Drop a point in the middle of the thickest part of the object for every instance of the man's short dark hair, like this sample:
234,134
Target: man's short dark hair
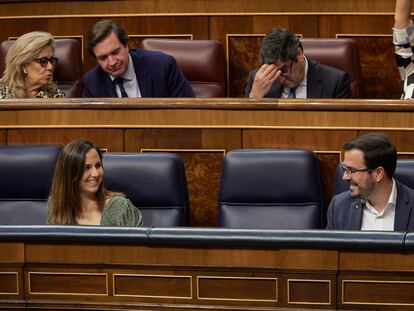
279,44
378,151
101,30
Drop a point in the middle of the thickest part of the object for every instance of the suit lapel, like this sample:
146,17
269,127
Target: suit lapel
109,87
355,215
275,91
314,80
402,209
143,75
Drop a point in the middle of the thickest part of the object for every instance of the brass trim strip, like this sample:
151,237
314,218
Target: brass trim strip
186,35
153,275
372,303
182,14
235,299
309,281
238,127
67,273
228,55
143,150
17,284
345,35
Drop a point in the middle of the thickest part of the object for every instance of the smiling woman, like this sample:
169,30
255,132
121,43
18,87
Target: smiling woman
29,68
78,195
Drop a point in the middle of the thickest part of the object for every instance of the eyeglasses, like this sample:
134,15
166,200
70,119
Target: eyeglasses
286,70
44,61
350,170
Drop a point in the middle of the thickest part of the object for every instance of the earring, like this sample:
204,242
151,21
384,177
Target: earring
25,71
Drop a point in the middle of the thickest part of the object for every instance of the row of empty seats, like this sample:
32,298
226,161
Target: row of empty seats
268,189
202,62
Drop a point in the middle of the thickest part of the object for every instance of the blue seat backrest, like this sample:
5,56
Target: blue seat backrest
154,182
267,189
26,173
404,173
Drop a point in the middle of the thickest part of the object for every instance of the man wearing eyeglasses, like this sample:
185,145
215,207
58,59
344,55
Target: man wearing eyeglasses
375,200
287,73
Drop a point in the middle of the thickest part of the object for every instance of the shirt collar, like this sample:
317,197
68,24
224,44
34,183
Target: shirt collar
129,73
305,76
392,200
302,84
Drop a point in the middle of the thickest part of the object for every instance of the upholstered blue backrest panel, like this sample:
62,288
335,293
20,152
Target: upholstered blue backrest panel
404,173
23,212
26,173
154,182
281,216
270,189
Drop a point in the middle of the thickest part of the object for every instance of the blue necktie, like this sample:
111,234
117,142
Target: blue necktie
292,93
120,82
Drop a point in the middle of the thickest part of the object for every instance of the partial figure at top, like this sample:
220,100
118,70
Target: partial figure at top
29,68
124,72
287,73
403,39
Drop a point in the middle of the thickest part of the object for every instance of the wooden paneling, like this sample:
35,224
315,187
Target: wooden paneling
109,139
166,274
12,252
369,291
3,137
202,152
379,67
155,286
309,291
105,275
67,283
240,288
360,261
201,131
9,283
369,21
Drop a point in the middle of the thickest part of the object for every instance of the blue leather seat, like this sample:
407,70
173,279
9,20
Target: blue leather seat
154,182
270,189
26,173
404,172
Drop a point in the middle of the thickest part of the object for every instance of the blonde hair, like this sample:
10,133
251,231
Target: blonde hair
24,51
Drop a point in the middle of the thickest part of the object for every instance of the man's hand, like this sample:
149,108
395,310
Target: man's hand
265,76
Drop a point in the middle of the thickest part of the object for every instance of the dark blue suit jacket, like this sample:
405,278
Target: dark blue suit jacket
157,73
345,212
322,82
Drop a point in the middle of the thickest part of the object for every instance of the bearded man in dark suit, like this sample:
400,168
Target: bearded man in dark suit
375,200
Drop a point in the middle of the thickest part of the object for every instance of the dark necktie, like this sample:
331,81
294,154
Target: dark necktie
120,82
292,93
